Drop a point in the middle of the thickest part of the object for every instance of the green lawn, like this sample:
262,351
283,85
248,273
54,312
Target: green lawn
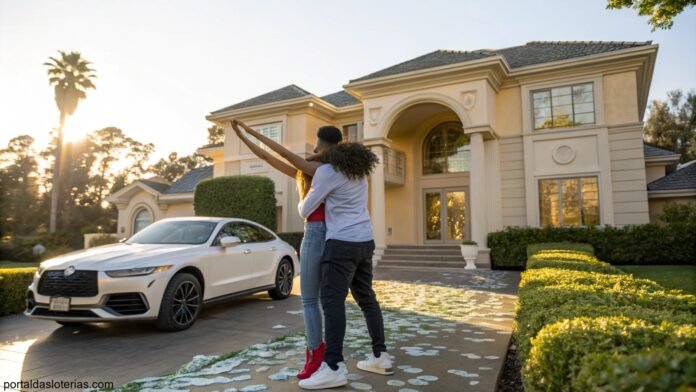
16,264
681,277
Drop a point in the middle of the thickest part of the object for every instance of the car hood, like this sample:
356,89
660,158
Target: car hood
118,256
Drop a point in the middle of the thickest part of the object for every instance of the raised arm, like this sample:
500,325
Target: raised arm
265,155
307,167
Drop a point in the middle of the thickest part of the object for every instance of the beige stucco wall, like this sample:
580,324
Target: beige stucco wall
508,110
512,182
628,175
653,172
179,210
620,98
142,199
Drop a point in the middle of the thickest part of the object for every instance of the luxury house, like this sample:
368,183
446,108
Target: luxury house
546,133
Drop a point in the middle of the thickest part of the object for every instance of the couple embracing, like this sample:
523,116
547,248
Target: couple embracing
336,252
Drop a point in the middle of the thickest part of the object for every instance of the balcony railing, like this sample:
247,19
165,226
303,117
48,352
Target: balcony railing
394,166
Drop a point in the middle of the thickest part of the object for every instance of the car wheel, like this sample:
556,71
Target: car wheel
283,280
181,303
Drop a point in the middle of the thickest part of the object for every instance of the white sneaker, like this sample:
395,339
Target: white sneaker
342,366
381,365
325,378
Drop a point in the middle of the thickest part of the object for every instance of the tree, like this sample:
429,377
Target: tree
672,124
19,190
71,77
216,134
109,146
174,167
661,12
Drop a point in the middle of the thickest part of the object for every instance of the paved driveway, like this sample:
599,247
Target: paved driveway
446,331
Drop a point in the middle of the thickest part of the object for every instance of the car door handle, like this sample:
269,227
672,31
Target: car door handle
273,248
247,251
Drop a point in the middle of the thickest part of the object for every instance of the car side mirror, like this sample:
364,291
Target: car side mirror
230,241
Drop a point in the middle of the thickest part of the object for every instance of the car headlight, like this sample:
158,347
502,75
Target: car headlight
40,270
137,271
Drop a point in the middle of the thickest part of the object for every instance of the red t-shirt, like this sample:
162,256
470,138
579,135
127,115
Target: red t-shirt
317,215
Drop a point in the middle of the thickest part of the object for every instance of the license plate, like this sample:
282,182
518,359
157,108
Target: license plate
59,304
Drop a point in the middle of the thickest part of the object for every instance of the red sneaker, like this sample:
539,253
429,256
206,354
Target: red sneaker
314,358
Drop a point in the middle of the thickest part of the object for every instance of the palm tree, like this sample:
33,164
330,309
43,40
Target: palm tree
71,76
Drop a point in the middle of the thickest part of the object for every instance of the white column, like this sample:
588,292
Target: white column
377,206
478,202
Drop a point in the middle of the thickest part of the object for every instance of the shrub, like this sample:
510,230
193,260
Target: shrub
247,197
639,244
558,350
655,369
533,249
13,288
293,238
679,213
20,248
102,239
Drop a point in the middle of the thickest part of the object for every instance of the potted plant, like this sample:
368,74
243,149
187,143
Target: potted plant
469,250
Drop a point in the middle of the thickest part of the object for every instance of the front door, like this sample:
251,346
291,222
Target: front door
446,216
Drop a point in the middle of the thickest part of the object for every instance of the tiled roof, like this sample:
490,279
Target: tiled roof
340,98
188,182
682,179
158,186
281,94
651,151
535,52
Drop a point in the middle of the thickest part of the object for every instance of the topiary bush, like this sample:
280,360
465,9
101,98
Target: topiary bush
13,288
102,239
674,243
247,197
655,369
572,308
558,350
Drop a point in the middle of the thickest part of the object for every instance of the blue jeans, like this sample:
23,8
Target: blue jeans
310,275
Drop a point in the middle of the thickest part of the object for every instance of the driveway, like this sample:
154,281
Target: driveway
445,329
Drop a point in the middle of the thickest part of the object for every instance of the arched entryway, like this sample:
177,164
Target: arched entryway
432,205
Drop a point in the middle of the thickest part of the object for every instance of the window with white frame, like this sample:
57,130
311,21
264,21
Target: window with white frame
351,133
569,201
271,131
565,106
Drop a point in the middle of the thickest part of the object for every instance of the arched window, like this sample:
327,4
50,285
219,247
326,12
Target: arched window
141,220
446,150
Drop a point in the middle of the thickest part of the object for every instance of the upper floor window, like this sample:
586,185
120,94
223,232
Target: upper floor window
351,133
563,106
569,201
272,131
446,150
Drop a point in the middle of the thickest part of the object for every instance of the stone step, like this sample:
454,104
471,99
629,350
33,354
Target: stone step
429,246
422,263
422,253
422,257
421,268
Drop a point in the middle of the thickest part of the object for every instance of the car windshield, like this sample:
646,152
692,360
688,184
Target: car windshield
174,232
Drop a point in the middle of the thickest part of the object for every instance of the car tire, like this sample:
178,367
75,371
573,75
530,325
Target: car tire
283,280
181,303
69,323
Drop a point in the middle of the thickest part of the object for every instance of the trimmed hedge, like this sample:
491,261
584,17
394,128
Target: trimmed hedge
649,370
247,197
103,239
13,288
558,351
572,305
293,238
638,244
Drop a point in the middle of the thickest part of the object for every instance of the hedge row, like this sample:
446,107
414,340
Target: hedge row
582,323
13,288
247,197
293,238
638,244
20,248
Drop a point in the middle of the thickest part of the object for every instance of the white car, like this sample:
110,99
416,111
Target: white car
166,272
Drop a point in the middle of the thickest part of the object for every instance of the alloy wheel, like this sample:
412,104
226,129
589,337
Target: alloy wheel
186,303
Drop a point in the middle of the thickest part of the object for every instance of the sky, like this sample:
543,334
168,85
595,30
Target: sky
163,65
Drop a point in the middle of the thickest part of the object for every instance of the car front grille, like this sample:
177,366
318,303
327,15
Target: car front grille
71,313
80,284
126,303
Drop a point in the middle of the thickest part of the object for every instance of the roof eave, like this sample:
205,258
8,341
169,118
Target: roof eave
672,193
667,159
287,104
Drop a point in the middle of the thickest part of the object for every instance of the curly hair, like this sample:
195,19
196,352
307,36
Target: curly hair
354,160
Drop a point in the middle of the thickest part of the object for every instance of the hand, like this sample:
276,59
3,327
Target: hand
235,127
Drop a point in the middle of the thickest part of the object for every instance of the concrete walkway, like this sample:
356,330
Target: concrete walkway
447,331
